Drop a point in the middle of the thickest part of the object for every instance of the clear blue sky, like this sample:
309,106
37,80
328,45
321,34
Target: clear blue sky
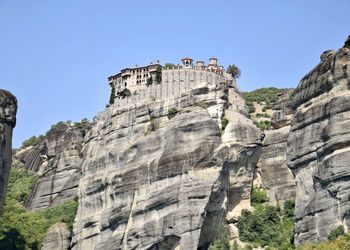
55,56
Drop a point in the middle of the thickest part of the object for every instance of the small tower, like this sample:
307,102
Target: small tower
187,62
200,64
213,61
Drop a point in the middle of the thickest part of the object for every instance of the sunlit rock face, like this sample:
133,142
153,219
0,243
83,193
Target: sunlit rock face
318,149
8,110
165,189
56,160
56,237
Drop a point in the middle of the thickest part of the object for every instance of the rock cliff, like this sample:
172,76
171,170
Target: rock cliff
169,188
56,161
8,110
318,147
57,237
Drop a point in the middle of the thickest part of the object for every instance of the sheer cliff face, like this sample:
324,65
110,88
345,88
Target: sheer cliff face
166,189
318,148
8,110
56,161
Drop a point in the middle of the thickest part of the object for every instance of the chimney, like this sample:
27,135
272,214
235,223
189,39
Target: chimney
136,66
158,61
150,63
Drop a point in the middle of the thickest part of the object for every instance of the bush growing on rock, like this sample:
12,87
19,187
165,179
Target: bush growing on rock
172,113
336,232
203,105
224,123
32,141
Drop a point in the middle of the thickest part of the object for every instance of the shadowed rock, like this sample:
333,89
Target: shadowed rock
8,110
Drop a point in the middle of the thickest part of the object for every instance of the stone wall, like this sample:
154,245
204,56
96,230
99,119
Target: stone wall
174,83
8,110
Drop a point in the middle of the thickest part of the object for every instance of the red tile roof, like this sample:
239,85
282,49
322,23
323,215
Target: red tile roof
187,58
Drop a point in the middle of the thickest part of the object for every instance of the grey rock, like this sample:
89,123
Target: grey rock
8,110
277,178
57,237
56,161
318,148
166,189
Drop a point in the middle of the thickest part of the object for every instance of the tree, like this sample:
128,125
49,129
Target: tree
169,66
158,77
112,97
149,81
234,71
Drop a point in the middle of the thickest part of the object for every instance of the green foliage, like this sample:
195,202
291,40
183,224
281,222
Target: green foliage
172,113
20,184
79,151
267,95
112,96
259,115
53,126
126,92
203,105
224,123
336,232
266,107
267,225
169,66
149,81
158,77
223,241
32,141
153,126
20,229
340,243
250,106
262,125
81,124
288,208
258,196
234,71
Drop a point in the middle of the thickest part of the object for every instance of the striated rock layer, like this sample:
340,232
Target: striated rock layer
56,160
57,237
166,189
318,148
8,110
276,177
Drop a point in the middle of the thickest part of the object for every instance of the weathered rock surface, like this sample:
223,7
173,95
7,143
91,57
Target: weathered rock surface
277,178
166,189
8,110
57,237
318,148
56,161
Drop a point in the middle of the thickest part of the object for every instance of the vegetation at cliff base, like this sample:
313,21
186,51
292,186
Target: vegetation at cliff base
267,95
21,229
267,225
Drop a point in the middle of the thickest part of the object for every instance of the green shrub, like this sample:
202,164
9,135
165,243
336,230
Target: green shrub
203,105
20,229
79,151
262,125
234,71
259,115
158,76
336,232
172,113
267,95
223,241
32,141
149,81
112,96
224,123
153,126
126,92
258,196
288,208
